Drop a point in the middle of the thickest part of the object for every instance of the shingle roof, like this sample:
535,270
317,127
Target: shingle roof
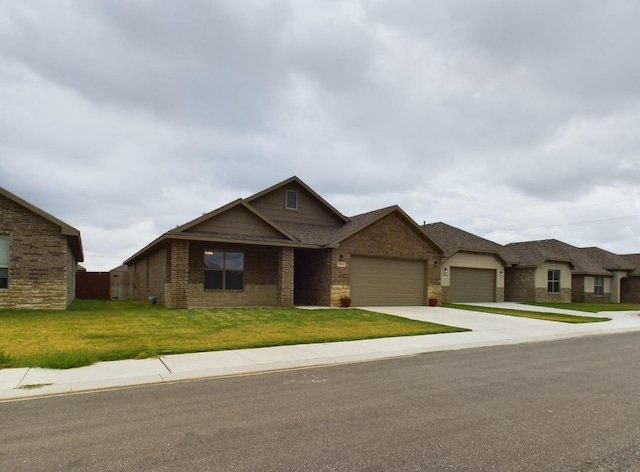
591,260
634,260
324,236
534,253
601,260
454,240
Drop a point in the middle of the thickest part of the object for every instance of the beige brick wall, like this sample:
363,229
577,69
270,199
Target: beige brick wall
542,296
29,295
41,267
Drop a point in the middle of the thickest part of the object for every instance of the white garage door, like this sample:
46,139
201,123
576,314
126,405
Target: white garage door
472,285
378,281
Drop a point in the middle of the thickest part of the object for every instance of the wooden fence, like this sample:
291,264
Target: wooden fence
92,285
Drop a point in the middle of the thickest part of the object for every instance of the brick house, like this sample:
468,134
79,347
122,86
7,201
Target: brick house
39,255
473,268
554,271
286,245
540,272
630,286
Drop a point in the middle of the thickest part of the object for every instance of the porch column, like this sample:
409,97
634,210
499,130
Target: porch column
179,272
615,286
285,276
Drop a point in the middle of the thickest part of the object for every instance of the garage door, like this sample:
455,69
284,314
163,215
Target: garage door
378,281
472,285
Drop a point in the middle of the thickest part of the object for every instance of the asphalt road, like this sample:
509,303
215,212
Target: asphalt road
572,405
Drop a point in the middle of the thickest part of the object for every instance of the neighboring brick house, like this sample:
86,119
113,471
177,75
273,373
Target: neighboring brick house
473,268
554,271
630,286
39,256
540,272
286,245
598,275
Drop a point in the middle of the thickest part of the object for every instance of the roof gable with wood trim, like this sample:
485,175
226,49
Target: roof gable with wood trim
302,205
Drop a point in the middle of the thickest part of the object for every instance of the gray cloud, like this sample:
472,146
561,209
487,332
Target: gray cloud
511,121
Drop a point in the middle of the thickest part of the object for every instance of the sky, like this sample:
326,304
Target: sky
513,120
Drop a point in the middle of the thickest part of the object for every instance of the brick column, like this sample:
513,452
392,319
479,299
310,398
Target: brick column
179,274
285,277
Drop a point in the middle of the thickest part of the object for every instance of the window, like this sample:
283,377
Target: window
4,262
553,281
291,200
223,270
598,285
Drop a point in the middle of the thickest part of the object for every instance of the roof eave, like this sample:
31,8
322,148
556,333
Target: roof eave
73,234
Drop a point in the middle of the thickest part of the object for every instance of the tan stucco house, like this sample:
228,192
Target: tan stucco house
472,269
39,256
286,245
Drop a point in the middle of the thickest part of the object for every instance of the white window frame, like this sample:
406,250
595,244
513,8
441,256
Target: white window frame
553,282
294,195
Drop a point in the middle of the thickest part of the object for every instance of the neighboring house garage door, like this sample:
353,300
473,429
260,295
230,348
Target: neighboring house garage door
472,285
378,281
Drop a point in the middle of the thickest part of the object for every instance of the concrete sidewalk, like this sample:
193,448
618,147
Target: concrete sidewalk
488,330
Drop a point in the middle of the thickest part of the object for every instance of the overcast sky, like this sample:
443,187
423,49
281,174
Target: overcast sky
513,120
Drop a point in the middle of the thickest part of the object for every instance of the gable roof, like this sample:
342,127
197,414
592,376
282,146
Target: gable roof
584,261
72,234
280,233
455,240
535,253
298,181
191,227
277,236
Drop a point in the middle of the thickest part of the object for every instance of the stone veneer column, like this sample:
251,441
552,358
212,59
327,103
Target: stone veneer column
179,271
285,277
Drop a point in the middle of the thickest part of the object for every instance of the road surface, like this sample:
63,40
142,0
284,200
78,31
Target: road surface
572,405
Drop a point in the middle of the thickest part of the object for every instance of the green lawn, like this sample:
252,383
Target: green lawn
92,331
538,315
592,307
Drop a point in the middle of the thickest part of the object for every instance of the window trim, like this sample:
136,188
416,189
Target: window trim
294,194
224,271
553,283
598,288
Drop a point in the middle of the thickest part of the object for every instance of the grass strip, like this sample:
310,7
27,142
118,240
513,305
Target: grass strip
92,331
538,315
591,307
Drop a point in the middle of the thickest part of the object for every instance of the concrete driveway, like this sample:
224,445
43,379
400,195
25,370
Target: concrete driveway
490,326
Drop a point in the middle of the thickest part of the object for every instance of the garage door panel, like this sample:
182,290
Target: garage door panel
472,285
379,281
